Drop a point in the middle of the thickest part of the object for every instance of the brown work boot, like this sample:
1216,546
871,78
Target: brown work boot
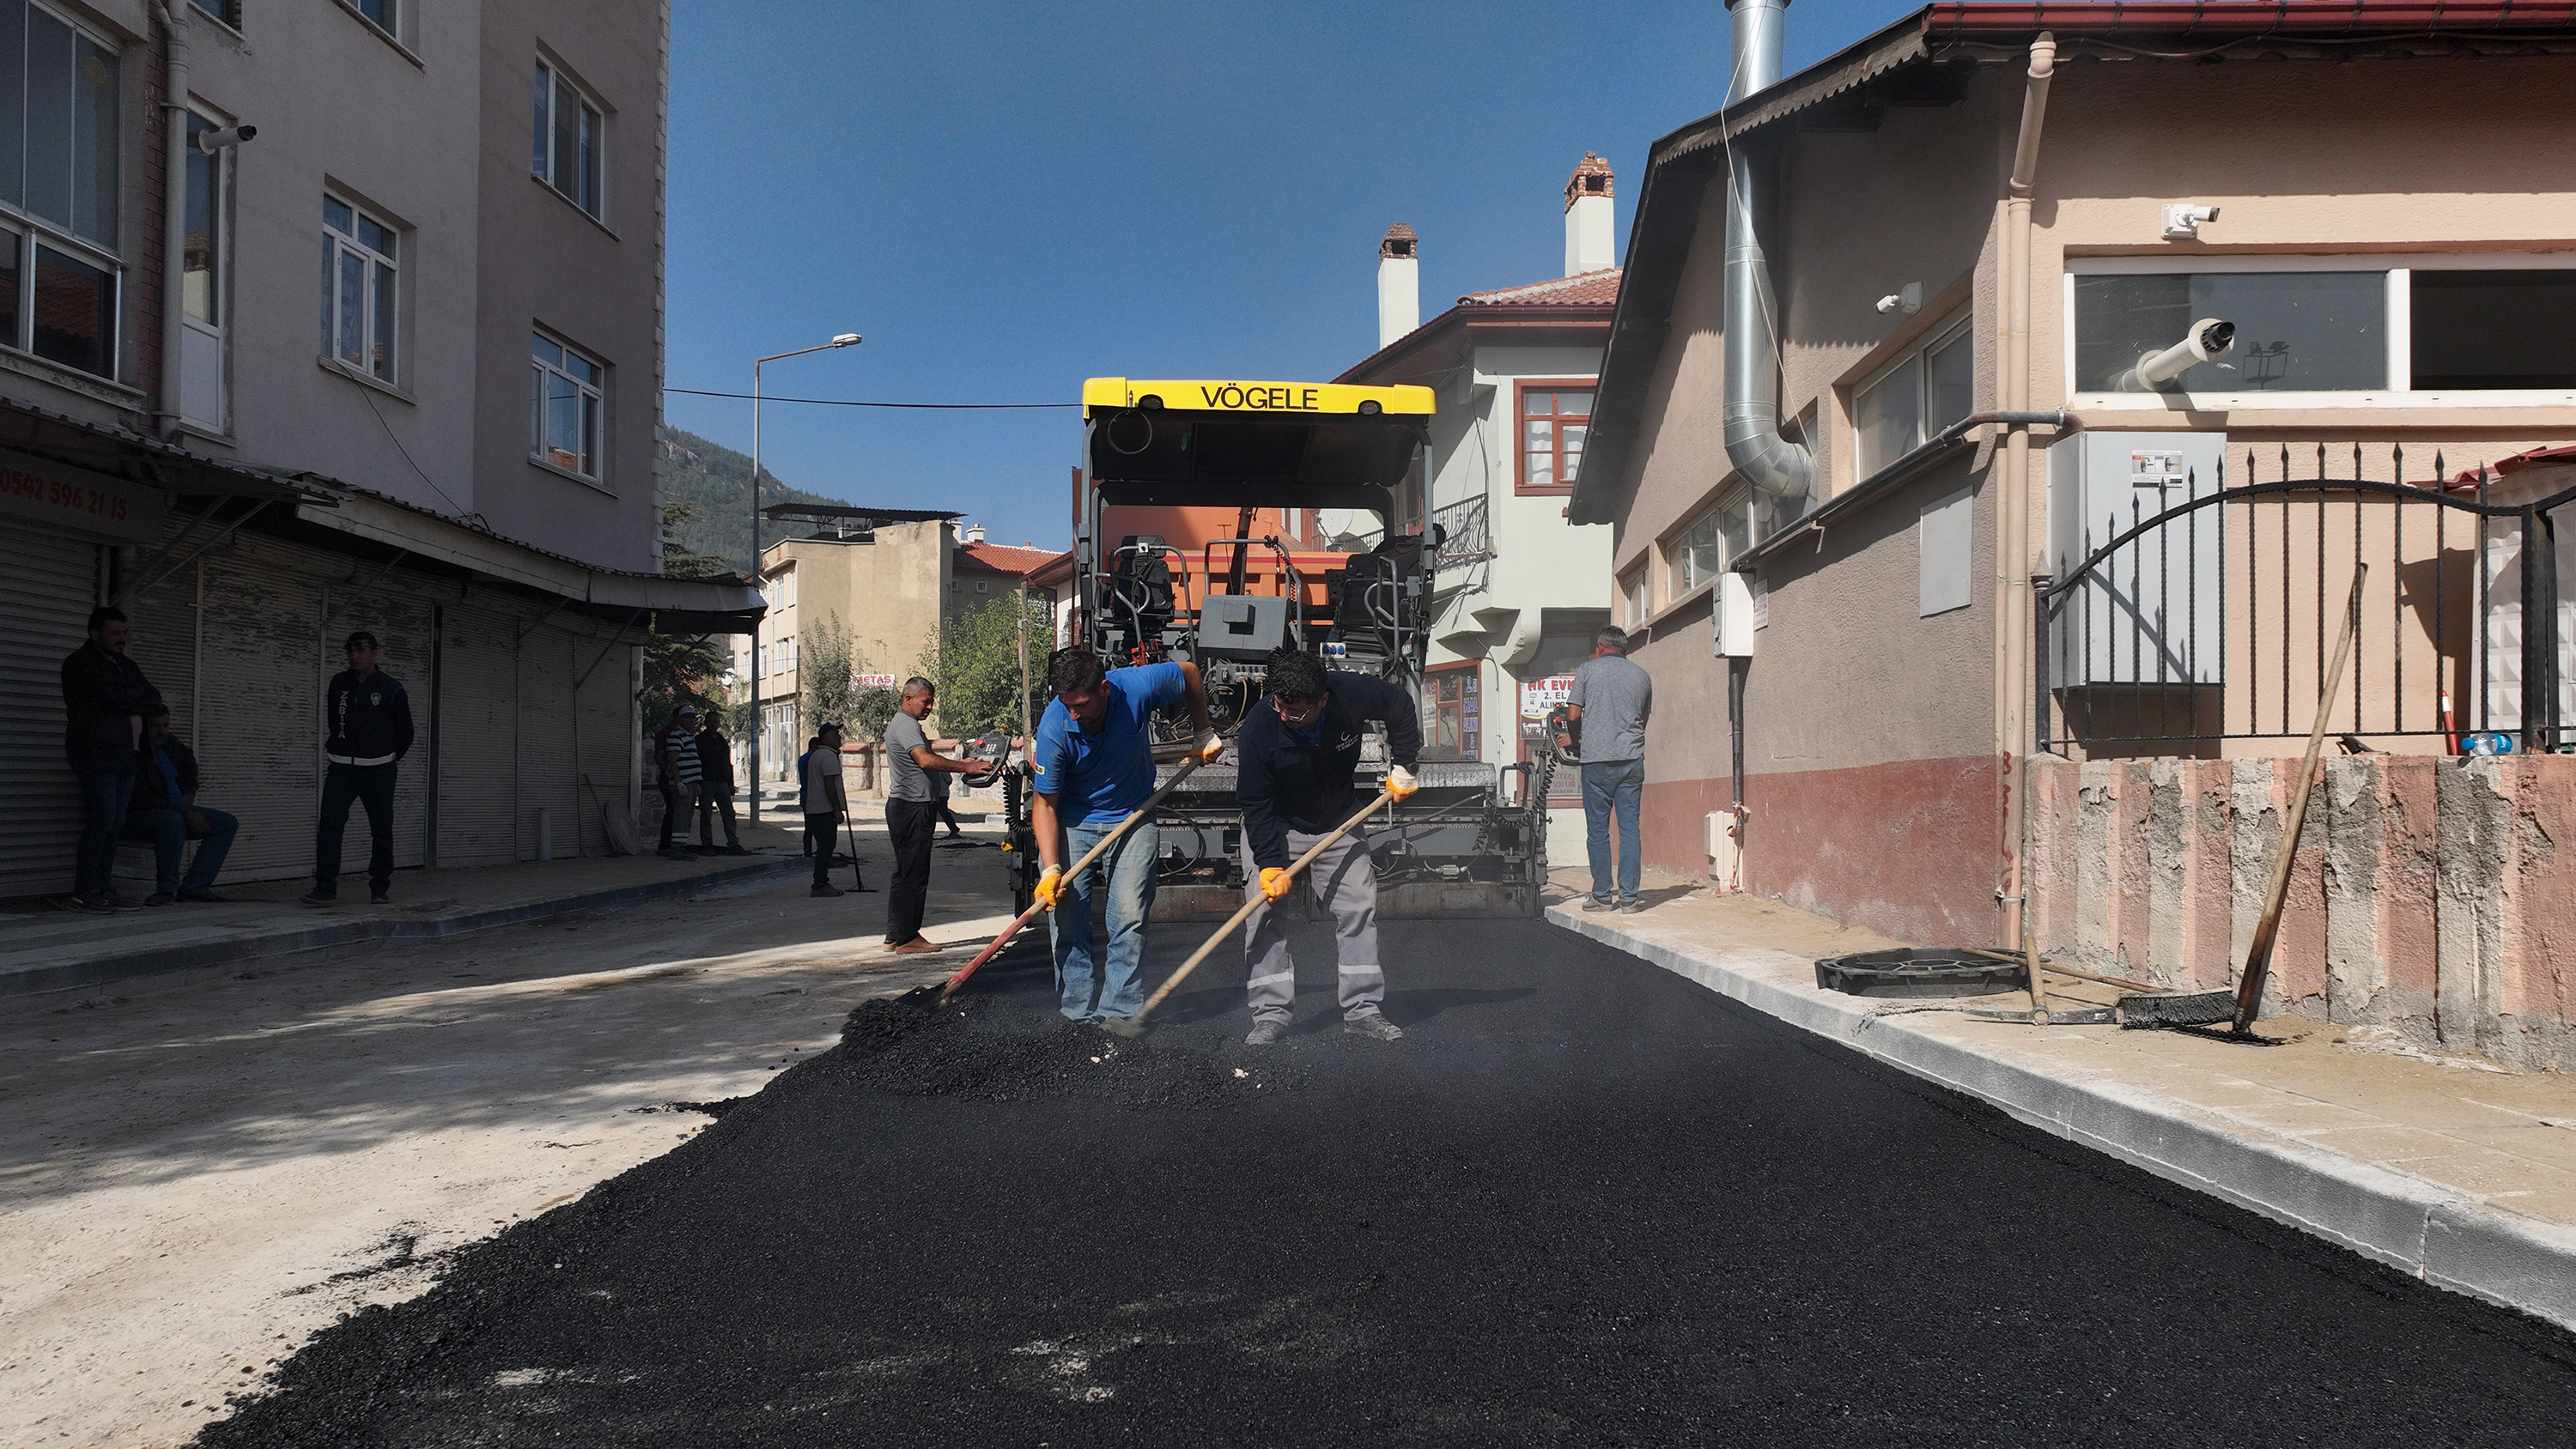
916,946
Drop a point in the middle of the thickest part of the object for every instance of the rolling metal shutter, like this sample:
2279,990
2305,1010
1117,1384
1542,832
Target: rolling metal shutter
546,741
259,724
608,729
478,700
48,584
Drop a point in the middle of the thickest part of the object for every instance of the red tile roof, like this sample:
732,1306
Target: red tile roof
1003,559
1598,289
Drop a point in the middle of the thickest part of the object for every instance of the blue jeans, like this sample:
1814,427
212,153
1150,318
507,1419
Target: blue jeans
1617,783
106,788
1130,868
168,832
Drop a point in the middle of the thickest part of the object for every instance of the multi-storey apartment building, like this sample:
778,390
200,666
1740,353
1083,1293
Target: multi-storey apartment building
318,315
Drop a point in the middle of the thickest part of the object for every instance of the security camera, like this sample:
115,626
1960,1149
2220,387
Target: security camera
1908,299
215,140
2208,340
2183,220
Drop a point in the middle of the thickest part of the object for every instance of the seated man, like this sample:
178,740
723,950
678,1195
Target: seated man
166,813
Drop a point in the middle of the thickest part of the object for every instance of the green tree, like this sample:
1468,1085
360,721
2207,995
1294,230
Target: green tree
976,664
824,665
682,668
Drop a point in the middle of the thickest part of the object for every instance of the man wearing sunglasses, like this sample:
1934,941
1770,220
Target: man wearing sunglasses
369,719
1296,756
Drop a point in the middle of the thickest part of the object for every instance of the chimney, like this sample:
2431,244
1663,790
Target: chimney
1399,284
1588,243
974,534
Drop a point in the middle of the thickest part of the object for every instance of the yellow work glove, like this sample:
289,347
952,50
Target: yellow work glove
1400,783
1275,882
1208,746
1049,886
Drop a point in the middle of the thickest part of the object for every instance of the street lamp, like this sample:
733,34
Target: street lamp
759,720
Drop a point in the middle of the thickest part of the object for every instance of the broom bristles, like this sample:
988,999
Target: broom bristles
2203,1008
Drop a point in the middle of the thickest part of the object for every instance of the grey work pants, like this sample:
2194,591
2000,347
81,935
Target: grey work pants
1345,880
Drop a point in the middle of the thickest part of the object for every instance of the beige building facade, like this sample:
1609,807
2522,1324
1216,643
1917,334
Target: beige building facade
2356,201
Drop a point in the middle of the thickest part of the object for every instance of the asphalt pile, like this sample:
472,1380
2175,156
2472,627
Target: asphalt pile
1582,1203
975,1048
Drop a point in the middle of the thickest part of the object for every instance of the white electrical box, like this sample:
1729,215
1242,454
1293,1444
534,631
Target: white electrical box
2148,613
1730,616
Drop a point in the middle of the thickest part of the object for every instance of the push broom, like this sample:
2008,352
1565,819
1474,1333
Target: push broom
1135,1025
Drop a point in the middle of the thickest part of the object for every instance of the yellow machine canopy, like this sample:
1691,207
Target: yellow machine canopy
1256,443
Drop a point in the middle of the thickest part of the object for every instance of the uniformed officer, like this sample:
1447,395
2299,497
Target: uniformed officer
369,720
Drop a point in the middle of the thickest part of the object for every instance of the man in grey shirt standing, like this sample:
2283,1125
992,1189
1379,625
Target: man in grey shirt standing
912,813
1612,697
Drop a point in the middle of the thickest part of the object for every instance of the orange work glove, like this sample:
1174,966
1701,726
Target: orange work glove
1049,886
1275,882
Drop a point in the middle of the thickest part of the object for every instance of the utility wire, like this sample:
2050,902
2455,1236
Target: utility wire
834,402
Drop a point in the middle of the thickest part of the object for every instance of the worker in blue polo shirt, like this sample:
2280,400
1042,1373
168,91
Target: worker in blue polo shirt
1094,768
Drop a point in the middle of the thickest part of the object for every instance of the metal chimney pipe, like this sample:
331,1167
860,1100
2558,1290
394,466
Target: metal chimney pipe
1750,411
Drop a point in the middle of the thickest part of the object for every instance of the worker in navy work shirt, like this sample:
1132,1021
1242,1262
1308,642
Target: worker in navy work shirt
1094,767
1296,755
369,718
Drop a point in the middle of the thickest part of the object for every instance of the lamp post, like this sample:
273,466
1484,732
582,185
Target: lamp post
759,720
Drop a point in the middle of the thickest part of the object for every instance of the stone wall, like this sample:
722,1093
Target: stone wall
2426,893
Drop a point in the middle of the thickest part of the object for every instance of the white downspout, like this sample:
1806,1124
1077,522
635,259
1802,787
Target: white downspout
174,216
1750,409
2013,559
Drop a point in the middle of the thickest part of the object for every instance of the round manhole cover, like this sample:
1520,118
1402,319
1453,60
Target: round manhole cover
1925,971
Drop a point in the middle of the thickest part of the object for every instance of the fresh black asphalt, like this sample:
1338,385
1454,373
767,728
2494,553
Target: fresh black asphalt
1582,1203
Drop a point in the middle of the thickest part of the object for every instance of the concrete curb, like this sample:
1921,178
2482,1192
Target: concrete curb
325,933
2443,1237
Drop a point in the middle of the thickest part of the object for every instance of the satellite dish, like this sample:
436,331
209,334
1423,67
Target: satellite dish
1335,522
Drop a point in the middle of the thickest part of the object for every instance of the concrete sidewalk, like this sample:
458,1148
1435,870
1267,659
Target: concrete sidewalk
53,950
2449,1168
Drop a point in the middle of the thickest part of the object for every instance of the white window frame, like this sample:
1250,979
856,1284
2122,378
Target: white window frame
541,375
33,231
595,119
375,330
390,26
211,411
1682,579
1954,329
2398,267
1635,603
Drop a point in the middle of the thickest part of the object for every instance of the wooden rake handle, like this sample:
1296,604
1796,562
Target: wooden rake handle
1257,902
1188,768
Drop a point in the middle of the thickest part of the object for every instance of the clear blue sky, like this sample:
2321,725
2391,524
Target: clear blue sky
1006,199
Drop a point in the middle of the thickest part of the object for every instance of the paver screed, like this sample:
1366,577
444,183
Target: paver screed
1582,1202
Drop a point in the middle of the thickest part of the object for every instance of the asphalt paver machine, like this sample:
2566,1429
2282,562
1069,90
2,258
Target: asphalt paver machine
1473,841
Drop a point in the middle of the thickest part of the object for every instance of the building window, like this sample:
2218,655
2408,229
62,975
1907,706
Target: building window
1554,416
1632,597
567,140
227,11
1711,541
2313,325
1453,710
2486,330
199,259
1913,398
58,190
379,13
2295,331
358,293
563,408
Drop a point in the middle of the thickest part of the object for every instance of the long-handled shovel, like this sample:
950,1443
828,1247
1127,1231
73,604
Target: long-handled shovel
1188,767
858,878
1135,1025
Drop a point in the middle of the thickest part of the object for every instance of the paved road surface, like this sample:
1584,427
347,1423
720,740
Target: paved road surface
1583,1203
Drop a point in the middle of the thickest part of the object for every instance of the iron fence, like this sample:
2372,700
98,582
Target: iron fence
2209,619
